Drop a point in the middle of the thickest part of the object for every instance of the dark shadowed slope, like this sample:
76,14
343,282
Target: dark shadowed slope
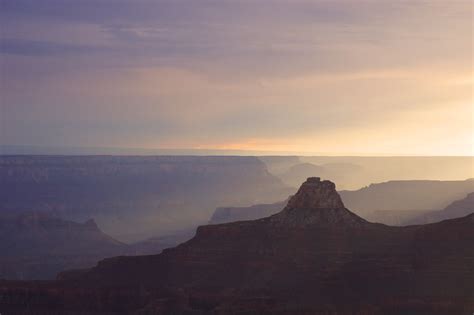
155,245
313,257
37,245
232,214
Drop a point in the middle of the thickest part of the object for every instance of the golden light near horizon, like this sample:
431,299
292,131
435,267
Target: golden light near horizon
346,77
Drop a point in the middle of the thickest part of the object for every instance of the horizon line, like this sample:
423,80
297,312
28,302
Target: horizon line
8,149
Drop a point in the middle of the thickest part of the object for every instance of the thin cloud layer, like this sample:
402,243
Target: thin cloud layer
355,77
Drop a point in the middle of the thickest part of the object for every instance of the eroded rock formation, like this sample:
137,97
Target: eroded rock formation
313,257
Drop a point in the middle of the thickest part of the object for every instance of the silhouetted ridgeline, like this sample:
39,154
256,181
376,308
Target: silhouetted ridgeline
38,245
231,214
313,257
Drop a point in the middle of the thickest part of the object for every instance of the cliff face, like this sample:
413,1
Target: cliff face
133,197
313,257
316,204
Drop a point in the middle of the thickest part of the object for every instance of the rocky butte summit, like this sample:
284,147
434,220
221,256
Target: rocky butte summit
313,257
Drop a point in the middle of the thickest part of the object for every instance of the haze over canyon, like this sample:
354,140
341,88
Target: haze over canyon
205,157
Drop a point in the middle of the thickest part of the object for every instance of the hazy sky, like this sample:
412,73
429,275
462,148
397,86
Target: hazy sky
350,77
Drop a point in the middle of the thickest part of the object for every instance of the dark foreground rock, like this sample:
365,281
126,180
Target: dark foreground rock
313,257
39,245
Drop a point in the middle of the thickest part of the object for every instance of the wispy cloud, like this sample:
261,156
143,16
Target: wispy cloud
24,47
230,73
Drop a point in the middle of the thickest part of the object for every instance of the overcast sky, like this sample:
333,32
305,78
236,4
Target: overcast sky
332,77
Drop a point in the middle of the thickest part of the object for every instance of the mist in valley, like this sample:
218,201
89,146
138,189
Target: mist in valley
148,203
265,157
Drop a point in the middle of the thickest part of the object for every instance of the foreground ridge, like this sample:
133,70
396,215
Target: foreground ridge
313,257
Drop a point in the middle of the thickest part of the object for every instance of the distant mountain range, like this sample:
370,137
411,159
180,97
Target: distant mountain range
406,196
456,209
313,257
297,173
135,197
151,203
353,172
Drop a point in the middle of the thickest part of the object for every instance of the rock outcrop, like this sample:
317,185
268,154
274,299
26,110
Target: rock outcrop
316,203
398,203
313,257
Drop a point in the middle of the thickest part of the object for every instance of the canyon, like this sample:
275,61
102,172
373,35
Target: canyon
313,257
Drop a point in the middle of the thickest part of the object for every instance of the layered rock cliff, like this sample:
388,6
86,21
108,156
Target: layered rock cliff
135,197
316,204
313,257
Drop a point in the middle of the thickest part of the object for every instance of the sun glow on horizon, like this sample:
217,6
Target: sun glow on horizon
389,77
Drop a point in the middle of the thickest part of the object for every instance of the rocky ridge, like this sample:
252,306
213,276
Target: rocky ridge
316,203
313,257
